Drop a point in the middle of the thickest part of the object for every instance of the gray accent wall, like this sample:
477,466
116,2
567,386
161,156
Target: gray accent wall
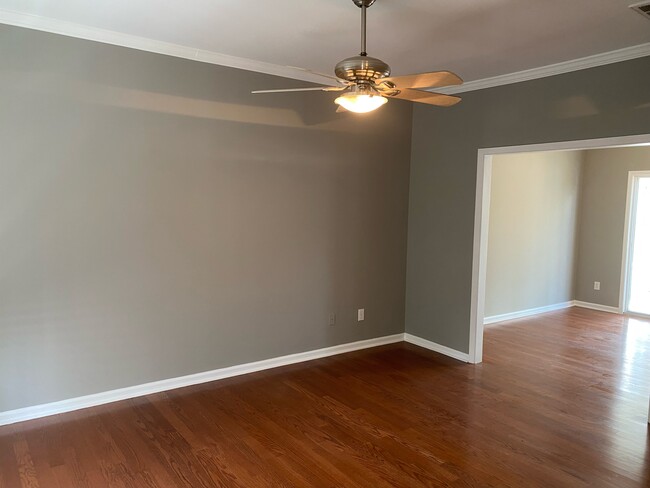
607,101
532,237
158,220
602,222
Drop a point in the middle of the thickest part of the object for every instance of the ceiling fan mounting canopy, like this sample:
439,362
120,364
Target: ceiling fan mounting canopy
361,3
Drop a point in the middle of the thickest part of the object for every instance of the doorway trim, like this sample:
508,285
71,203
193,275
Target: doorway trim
482,218
628,236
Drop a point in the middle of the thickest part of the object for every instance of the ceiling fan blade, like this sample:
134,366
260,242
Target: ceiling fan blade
425,80
315,88
429,98
318,73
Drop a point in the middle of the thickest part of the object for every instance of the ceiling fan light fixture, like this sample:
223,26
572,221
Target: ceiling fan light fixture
361,101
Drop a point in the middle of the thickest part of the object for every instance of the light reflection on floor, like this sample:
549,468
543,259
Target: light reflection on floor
629,423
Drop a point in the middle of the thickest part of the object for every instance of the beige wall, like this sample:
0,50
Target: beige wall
532,230
556,226
602,221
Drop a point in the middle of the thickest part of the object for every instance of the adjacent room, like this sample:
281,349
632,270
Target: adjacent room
567,235
348,243
568,228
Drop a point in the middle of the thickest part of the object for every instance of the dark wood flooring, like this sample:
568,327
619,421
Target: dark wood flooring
560,401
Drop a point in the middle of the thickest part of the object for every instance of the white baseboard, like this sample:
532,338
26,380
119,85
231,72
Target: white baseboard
596,306
526,313
447,351
37,411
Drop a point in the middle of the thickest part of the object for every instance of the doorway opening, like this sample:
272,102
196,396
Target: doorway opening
481,224
636,265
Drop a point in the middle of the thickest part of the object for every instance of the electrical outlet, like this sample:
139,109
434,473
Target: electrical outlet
596,285
332,319
361,313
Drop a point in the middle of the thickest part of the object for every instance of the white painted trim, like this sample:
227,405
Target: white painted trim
606,142
625,54
481,219
479,260
79,31
625,263
597,306
642,316
527,313
37,411
447,351
628,236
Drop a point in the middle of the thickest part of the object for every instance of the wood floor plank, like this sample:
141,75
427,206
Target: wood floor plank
561,400
9,476
26,470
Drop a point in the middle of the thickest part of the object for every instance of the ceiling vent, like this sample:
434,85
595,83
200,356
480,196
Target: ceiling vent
643,8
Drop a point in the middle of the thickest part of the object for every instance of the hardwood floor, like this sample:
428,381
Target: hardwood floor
560,401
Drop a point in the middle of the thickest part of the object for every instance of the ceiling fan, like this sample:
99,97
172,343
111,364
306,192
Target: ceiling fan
366,84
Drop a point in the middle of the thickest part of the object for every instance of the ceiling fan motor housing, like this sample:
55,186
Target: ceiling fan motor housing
361,69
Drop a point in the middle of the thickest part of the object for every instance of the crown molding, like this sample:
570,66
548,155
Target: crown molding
79,31
594,61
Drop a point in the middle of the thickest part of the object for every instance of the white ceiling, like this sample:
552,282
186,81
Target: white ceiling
475,38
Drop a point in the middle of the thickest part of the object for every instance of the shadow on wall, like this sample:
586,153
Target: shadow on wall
310,112
112,76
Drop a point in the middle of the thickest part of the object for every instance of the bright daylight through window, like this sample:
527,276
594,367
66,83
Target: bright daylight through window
639,298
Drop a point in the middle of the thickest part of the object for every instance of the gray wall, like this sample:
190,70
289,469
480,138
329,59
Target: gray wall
602,222
158,220
532,231
606,101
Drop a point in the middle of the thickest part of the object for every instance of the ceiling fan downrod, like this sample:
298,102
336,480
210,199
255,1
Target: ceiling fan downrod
362,69
363,5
